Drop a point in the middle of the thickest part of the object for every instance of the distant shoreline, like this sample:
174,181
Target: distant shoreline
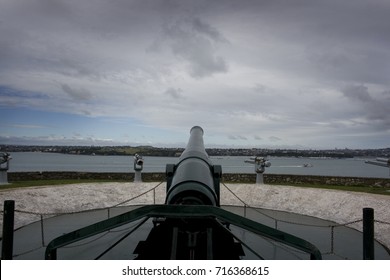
174,152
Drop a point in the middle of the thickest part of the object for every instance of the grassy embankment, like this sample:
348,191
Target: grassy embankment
25,184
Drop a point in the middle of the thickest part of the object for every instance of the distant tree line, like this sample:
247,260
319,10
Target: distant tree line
172,152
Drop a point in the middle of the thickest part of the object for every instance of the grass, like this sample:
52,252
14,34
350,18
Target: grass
35,183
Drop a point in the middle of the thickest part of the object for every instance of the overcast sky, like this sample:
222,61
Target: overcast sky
299,74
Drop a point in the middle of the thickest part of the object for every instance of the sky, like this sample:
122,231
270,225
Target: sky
311,74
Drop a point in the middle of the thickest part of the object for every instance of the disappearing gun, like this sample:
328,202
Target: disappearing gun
191,225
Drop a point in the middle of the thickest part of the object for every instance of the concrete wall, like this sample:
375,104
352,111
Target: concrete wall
232,178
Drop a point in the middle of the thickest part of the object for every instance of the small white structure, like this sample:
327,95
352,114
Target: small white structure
4,166
260,164
138,166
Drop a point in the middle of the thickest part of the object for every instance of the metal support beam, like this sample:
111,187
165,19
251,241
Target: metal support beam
209,243
175,236
181,212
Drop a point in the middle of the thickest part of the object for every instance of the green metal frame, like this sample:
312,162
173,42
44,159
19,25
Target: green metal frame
181,211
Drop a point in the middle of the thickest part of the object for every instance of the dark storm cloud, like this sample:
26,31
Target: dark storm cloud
175,93
274,139
196,42
237,137
80,94
326,40
305,71
206,29
374,109
359,93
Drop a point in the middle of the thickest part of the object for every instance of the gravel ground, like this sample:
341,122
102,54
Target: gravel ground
337,206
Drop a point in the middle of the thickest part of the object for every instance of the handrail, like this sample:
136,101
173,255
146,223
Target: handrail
181,211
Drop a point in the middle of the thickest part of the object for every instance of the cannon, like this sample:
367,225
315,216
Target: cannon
138,162
4,159
191,224
4,166
138,166
194,180
260,164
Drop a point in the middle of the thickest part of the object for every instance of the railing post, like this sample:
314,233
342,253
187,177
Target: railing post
368,234
42,232
332,239
8,230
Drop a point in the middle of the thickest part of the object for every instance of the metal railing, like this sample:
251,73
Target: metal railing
277,222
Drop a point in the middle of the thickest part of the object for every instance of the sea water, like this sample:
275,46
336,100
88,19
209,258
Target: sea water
38,161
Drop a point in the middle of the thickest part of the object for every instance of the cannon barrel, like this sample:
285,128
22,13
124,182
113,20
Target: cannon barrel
194,179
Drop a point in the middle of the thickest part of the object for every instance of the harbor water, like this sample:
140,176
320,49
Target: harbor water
350,167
